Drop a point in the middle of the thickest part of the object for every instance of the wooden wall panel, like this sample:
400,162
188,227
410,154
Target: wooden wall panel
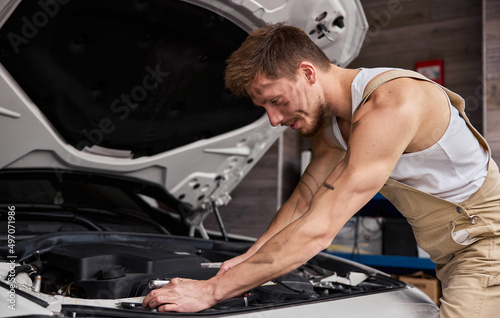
492,76
443,10
392,13
492,41
420,30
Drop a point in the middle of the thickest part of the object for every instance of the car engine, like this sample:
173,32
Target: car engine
108,267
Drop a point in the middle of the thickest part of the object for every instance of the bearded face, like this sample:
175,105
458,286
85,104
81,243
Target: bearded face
290,103
317,120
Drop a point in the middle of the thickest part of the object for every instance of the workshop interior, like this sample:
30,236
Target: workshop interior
125,162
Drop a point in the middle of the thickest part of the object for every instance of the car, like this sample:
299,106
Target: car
118,139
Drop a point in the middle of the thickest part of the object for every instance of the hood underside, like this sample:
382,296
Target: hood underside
144,77
135,88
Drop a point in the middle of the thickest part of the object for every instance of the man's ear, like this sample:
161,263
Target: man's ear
308,70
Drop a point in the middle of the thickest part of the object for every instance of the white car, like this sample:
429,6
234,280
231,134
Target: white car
118,138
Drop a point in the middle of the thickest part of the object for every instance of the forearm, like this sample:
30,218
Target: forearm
282,218
289,212
334,203
325,159
275,258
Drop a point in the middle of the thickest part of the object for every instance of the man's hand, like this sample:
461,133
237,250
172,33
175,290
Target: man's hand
181,295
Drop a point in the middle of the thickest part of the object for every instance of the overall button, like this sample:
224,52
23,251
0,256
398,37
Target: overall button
459,209
473,220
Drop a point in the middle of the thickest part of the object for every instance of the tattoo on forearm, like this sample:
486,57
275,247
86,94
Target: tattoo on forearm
295,210
310,175
308,187
311,190
328,186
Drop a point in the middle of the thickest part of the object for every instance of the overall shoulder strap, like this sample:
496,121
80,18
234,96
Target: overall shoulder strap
384,78
329,132
456,100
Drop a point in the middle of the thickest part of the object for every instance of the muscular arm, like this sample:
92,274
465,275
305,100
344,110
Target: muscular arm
381,131
325,157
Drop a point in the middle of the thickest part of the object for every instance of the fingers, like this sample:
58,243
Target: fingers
147,299
156,300
181,295
165,298
152,300
168,307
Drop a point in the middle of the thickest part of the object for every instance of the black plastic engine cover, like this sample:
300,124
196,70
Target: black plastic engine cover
87,260
113,270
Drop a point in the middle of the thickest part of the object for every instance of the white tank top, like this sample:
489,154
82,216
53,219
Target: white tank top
453,168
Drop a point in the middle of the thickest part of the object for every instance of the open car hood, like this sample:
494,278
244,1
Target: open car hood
135,88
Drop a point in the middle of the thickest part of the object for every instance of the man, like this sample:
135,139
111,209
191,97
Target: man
372,130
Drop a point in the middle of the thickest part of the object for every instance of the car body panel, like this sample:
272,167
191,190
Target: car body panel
391,304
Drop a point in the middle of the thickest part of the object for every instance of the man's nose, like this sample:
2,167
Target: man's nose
275,116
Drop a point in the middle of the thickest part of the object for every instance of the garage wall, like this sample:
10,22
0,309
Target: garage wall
492,73
401,33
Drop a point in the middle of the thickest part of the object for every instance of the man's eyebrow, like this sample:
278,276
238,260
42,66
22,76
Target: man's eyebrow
266,85
259,104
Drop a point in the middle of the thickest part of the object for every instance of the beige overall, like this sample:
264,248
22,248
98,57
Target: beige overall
468,267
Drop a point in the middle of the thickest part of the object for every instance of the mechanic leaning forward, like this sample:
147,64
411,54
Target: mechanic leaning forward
380,129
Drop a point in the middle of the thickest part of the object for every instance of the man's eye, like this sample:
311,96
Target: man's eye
274,101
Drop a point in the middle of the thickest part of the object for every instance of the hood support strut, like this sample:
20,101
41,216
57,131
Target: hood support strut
219,220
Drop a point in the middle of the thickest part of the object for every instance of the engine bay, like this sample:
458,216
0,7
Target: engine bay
110,267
